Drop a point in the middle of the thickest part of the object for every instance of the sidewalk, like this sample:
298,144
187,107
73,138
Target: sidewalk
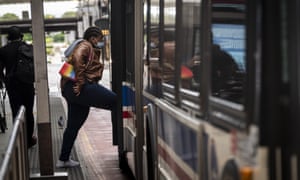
94,146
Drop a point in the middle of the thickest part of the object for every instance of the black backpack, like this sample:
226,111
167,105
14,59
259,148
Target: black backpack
24,69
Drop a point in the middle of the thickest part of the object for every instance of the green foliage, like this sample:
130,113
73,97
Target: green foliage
27,37
49,16
59,37
49,47
9,17
69,14
49,40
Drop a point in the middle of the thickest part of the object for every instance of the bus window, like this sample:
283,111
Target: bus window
152,68
189,45
168,38
228,53
181,53
153,30
129,44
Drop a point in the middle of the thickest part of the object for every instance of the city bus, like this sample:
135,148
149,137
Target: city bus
207,89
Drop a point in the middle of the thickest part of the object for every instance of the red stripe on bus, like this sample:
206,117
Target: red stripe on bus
126,114
181,174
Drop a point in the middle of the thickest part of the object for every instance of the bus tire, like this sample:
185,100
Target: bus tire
230,171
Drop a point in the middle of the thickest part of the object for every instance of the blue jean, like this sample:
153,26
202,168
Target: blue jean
91,95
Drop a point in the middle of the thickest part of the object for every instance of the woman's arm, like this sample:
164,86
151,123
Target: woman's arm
81,56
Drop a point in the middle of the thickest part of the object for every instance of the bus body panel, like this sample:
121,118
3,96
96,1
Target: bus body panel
234,147
129,128
192,128
177,146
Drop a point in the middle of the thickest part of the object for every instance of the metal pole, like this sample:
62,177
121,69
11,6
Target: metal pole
43,107
41,79
138,46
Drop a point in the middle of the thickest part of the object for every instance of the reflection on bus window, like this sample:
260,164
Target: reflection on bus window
224,69
189,45
228,67
190,73
154,44
169,62
168,57
153,68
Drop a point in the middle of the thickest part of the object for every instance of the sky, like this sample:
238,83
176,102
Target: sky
52,8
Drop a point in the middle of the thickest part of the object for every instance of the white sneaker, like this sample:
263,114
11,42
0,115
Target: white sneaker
67,164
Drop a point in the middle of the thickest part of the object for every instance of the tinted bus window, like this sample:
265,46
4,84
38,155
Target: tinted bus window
189,45
168,37
152,69
129,20
228,64
153,29
181,53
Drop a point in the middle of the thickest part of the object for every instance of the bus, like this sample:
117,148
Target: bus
208,90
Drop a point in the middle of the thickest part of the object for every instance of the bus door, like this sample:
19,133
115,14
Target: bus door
290,91
279,112
122,72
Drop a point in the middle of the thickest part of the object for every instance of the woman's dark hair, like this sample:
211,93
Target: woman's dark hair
92,32
14,33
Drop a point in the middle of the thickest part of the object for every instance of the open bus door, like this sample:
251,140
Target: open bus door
118,57
280,103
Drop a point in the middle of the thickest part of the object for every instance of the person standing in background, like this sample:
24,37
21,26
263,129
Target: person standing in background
19,93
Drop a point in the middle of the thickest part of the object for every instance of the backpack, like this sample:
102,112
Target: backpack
70,49
67,69
24,68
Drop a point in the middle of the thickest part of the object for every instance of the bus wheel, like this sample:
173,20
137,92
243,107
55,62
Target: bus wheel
150,159
230,171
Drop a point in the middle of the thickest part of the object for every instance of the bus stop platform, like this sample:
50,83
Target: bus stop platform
93,147
56,111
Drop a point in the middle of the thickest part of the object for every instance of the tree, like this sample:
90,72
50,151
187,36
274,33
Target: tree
9,17
49,16
27,37
59,37
69,14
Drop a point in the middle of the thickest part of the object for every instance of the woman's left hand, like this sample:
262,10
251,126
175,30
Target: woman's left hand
76,90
